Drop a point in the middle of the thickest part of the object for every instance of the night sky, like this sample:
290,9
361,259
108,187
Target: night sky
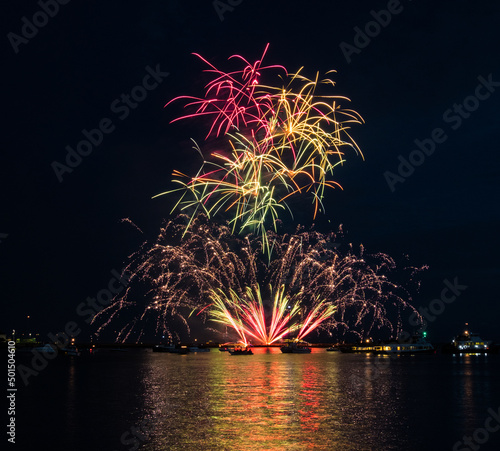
435,65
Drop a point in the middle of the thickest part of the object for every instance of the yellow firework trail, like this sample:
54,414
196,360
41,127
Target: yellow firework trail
277,143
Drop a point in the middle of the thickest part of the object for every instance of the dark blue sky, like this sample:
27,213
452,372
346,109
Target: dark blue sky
418,73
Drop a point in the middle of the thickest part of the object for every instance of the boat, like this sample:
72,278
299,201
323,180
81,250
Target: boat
240,351
365,346
417,345
470,342
333,349
225,347
295,347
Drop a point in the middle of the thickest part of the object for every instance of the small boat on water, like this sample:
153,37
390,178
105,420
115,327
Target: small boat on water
225,347
295,347
240,351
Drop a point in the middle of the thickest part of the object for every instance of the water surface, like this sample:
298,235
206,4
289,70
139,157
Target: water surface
268,401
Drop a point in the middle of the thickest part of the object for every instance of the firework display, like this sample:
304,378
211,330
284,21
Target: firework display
275,142
312,283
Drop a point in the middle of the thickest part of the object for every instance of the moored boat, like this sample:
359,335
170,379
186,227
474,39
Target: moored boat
225,347
240,351
361,347
364,346
295,347
470,342
417,345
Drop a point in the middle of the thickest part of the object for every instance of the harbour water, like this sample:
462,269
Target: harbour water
269,401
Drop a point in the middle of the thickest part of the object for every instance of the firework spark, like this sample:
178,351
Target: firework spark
247,316
277,142
311,284
231,96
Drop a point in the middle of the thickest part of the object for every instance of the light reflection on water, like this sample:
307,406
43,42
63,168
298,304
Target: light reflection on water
268,401
473,387
271,401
